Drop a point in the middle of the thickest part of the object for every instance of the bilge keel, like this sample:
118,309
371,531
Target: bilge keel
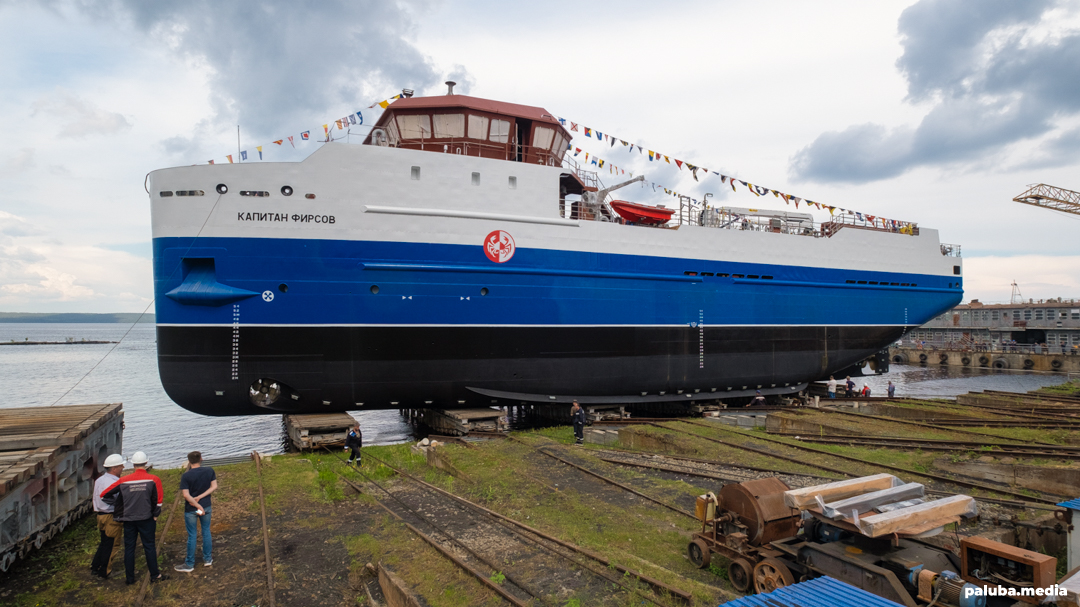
459,255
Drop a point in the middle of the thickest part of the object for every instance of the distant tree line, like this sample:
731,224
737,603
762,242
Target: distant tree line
75,317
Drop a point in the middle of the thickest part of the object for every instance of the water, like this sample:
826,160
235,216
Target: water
39,375
939,381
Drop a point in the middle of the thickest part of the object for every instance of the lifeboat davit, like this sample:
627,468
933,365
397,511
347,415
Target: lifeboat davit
642,214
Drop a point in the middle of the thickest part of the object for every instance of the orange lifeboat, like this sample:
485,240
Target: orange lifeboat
642,214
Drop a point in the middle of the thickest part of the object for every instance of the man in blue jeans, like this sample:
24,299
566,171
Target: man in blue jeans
196,485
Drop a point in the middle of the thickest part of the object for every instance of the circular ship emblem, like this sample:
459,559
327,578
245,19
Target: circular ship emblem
499,246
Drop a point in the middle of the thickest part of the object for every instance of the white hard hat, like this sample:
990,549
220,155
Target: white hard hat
114,460
139,458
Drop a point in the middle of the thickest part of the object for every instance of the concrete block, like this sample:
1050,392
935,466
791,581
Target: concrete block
601,436
1054,480
395,591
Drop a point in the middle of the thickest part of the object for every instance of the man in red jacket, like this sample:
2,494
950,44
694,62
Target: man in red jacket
136,500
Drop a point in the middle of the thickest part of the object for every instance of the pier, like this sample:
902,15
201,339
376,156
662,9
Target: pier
1016,358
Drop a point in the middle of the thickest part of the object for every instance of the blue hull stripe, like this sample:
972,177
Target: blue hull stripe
332,282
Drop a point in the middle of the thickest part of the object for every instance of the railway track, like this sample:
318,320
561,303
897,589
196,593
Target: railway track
809,449
1012,449
489,545
663,463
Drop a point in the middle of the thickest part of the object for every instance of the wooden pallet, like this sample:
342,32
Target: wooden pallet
17,466
311,431
26,428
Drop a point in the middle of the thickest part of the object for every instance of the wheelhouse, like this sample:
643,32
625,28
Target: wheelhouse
470,126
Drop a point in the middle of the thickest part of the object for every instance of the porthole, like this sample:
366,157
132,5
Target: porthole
415,173
374,289
255,193
309,196
222,188
484,291
165,194
512,183
476,178
189,192
284,288
286,190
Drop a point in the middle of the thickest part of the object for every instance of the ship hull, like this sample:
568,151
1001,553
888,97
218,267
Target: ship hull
339,368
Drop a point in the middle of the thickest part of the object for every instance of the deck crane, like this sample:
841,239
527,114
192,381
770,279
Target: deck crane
1051,197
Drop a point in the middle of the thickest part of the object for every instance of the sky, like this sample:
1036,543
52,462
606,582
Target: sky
937,112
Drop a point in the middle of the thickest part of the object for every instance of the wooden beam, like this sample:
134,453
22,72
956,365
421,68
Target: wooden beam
831,492
918,515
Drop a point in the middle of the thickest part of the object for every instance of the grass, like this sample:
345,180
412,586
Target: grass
1070,388
634,534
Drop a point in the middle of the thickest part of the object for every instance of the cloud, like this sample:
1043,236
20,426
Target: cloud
1059,151
80,118
462,77
276,60
943,38
17,164
992,81
14,226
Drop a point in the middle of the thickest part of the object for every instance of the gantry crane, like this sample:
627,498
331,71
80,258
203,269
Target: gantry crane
1050,197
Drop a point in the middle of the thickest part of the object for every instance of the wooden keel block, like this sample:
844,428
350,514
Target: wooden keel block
832,492
918,515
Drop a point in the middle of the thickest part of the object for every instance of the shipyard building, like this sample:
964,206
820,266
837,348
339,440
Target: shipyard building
1053,324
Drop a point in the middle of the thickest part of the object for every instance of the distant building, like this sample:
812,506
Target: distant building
1054,322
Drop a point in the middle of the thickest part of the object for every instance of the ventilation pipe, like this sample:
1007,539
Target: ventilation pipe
450,87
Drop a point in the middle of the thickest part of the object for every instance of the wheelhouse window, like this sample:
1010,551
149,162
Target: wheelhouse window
478,127
542,138
500,131
392,133
449,126
560,144
417,126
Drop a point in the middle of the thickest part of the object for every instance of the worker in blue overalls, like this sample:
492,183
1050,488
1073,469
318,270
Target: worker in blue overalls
577,416
353,441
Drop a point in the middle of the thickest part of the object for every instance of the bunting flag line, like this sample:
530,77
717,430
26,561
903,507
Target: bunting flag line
756,190
353,119
230,158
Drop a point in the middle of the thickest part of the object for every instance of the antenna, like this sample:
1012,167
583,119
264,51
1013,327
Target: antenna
238,143
1016,298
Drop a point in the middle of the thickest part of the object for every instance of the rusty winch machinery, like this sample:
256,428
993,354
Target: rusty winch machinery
869,532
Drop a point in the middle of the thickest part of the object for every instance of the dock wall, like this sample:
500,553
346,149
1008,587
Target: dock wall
1064,363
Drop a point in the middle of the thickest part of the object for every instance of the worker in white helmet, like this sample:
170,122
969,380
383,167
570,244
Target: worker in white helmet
136,499
111,531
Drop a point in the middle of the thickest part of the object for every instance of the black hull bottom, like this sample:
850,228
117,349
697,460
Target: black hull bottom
324,369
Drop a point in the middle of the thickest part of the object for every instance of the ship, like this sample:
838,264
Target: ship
460,257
